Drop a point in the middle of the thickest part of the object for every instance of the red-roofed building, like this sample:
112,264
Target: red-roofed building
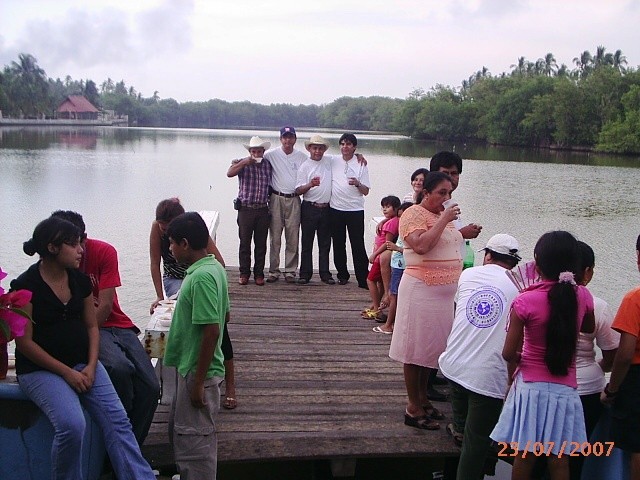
78,108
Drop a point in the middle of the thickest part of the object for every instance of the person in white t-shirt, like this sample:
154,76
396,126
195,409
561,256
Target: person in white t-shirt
472,360
314,184
284,205
589,372
350,183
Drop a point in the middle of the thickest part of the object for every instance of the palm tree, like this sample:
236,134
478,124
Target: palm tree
521,67
563,71
600,58
29,89
550,65
619,61
583,62
107,86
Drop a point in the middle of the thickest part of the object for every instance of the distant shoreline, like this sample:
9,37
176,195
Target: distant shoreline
11,122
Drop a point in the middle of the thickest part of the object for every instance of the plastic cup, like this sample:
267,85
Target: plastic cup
456,222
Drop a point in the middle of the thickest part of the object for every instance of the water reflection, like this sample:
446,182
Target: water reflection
115,177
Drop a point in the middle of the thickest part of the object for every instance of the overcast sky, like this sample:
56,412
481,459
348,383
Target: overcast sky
303,51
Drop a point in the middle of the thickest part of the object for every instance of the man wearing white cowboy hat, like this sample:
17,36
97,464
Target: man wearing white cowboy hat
314,183
284,205
252,203
472,360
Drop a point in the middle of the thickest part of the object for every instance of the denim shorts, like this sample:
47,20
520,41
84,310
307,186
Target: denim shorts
396,275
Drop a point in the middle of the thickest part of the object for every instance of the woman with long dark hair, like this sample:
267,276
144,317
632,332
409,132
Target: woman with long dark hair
57,358
543,409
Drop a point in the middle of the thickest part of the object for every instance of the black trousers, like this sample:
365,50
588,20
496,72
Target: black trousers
315,220
353,223
253,223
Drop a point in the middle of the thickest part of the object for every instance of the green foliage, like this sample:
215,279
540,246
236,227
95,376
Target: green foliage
362,113
623,134
538,103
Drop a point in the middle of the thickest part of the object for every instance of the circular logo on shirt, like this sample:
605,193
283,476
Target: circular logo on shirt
485,307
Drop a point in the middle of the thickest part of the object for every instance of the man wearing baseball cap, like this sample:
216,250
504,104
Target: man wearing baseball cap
472,360
284,205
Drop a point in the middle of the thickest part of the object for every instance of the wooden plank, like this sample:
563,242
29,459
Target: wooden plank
313,382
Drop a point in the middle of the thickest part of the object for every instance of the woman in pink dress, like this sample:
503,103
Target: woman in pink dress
426,294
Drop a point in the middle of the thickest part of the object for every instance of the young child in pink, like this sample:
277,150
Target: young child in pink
387,231
543,408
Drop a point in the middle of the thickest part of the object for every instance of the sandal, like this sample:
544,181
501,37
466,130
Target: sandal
423,422
380,330
230,403
370,314
433,413
458,437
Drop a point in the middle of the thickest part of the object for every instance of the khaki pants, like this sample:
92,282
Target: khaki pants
193,430
285,215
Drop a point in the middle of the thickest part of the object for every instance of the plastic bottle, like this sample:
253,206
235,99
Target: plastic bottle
469,255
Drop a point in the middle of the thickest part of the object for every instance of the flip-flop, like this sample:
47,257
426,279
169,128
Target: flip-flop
380,330
423,422
230,403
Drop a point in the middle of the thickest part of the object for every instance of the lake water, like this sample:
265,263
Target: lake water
115,177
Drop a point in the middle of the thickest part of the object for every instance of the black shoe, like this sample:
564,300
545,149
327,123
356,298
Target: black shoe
436,396
342,281
329,281
365,286
439,381
302,281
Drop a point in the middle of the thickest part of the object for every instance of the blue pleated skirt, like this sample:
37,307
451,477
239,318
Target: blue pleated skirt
541,412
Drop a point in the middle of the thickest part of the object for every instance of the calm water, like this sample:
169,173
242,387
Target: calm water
115,178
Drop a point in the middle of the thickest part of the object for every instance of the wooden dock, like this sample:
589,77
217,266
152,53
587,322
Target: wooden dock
313,382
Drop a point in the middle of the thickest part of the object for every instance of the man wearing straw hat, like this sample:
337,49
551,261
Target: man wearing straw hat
252,203
314,183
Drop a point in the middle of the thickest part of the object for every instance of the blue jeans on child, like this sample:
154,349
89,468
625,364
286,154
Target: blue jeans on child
62,406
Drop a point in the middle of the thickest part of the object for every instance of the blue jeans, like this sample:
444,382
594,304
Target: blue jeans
62,406
132,375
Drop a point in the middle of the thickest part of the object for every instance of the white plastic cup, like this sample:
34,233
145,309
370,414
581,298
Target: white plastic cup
457,222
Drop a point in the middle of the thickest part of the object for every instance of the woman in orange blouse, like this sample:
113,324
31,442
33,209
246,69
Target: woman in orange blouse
426,294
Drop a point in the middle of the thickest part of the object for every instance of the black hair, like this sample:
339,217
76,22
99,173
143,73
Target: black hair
405,205
391,201
586,259
445,159
638,244
191,227
419,171
73,217
431,181
510,260
168,209
349,137
52,230
557,252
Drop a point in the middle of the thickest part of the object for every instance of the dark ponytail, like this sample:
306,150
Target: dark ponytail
54,231
557,252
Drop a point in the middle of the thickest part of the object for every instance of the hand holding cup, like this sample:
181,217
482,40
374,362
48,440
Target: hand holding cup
451,211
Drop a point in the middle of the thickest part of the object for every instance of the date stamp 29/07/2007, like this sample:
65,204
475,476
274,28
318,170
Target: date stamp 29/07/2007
568,449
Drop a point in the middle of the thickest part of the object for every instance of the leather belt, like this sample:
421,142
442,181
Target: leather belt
317,205
285,195
254,206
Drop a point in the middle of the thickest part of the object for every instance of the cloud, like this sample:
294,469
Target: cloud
107,36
